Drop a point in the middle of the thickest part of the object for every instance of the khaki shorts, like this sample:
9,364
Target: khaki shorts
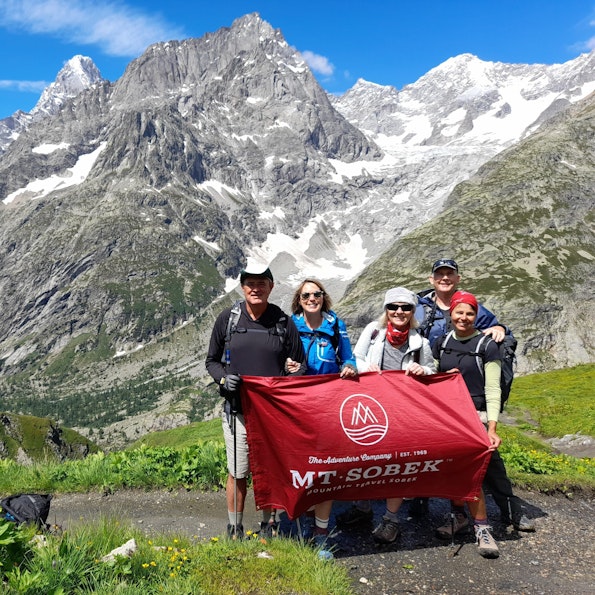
242,468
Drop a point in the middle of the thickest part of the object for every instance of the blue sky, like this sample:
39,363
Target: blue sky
389,42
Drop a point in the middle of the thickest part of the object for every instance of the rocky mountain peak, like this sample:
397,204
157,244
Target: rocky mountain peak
78,74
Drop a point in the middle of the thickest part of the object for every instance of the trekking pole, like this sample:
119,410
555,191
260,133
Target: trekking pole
235,466
453,551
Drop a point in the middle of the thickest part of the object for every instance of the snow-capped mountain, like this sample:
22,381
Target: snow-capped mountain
129,211
78,74
466,101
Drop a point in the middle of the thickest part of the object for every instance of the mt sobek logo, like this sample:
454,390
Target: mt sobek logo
363,419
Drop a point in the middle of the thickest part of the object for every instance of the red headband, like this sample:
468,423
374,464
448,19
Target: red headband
463,297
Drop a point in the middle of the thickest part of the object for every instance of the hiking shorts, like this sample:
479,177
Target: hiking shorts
241,446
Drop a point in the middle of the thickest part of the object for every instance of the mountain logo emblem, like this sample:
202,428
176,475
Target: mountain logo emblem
363,420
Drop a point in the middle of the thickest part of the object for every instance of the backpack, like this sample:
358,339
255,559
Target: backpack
232,325
27,508
429,316
507,360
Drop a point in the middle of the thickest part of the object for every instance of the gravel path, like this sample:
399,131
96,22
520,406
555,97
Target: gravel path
558,558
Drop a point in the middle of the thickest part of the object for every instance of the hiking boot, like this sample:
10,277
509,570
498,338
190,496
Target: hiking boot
235,533
322,539
387,531
419,507
486,544
268,530
354,516
451,528
523,523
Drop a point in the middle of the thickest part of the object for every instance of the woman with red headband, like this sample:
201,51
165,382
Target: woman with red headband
457,352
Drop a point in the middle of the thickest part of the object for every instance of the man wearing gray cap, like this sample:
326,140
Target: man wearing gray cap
254,338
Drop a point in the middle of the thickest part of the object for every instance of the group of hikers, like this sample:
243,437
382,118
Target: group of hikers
439,330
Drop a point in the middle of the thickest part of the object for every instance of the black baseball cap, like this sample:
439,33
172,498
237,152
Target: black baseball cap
445,262
255,272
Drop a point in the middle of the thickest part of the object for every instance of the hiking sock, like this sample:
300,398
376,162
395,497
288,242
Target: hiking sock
232,517
391,516
321,524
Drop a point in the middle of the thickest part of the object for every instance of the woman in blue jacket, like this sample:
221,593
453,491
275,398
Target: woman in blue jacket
323,333
328,351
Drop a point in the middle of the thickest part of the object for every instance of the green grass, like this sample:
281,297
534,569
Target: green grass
72,563
560,402
194,433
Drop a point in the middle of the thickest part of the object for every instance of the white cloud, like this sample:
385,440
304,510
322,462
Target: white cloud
319,64
25,86
117,29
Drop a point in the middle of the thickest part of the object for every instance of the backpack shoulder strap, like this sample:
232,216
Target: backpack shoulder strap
336,338
281,328
444,340
480,352
429,315
232,324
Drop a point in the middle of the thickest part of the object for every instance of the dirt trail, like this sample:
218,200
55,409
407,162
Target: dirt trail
558,558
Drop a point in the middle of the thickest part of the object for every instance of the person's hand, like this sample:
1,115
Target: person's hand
374,368
348,372
495,440
496,332
415,369
231,382
291,366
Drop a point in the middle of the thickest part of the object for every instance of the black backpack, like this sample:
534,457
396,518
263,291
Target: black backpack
507,360
427,323
27,508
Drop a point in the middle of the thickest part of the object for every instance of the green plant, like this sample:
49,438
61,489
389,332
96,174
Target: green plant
13,546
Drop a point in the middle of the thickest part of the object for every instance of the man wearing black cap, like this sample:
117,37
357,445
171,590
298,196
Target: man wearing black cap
433,312
253,338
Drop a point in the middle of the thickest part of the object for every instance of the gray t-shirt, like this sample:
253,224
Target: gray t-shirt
392,358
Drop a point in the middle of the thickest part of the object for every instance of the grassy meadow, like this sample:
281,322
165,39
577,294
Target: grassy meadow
542,406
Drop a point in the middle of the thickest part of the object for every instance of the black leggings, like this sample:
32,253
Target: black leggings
497,482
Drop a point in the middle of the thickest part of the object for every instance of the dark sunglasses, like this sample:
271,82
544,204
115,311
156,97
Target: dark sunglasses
395,307
316,294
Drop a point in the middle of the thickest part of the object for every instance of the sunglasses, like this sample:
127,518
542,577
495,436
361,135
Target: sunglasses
316,294
395,307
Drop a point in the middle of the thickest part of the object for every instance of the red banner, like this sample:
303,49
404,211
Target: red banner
317,438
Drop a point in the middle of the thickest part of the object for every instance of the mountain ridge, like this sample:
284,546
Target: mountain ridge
127,215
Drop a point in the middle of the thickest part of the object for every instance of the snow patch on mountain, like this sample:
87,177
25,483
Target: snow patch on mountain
73,176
